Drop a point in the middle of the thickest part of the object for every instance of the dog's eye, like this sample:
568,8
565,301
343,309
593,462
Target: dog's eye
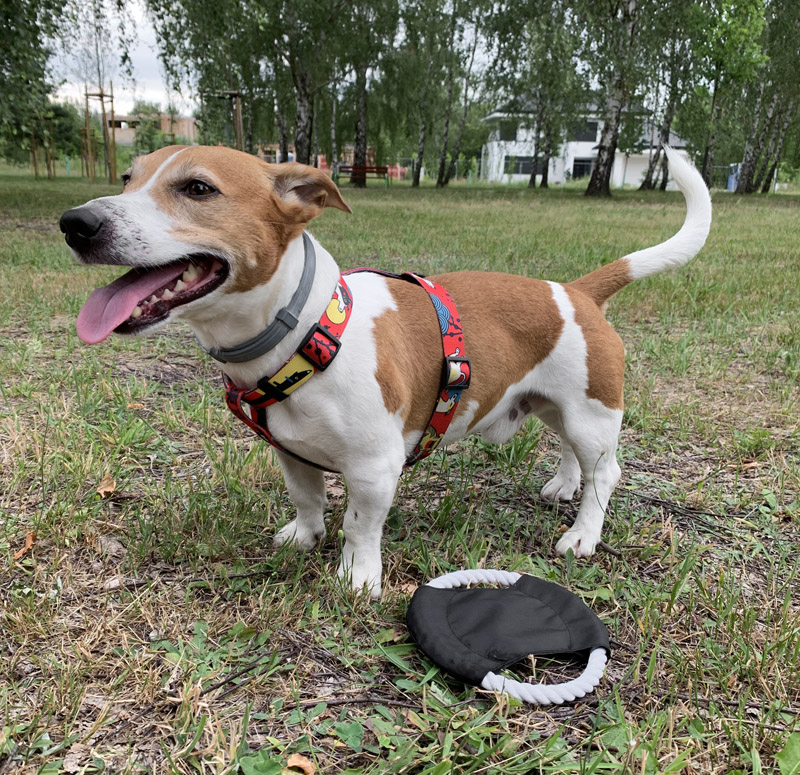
126,178
199,189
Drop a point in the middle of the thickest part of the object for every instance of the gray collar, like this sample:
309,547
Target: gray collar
285,319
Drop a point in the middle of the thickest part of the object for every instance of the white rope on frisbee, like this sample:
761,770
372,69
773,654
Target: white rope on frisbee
538,694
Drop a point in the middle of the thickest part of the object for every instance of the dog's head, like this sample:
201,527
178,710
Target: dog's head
193,223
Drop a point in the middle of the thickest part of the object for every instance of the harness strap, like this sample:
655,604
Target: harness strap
321,346
315,353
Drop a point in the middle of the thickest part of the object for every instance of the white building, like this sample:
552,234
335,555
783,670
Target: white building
507,157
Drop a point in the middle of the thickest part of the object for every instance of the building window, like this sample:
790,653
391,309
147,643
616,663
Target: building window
521,165
508,131
582,168
586,133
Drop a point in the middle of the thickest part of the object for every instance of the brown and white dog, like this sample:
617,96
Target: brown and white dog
216,238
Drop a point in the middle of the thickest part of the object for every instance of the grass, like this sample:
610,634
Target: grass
151,628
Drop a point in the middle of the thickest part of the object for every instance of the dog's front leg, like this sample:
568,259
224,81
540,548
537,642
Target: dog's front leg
370,490
306,487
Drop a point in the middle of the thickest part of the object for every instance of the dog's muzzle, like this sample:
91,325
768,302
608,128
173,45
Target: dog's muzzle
81,227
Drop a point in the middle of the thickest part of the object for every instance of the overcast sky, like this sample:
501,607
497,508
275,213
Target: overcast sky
149,81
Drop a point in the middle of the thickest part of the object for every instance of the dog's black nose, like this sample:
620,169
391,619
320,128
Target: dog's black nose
80,226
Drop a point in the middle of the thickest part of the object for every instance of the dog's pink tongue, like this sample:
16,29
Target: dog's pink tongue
113,304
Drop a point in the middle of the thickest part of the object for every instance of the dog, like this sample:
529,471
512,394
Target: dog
217,238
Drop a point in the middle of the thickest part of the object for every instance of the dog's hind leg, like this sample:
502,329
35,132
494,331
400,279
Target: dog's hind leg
371,487
306,487
564,485
592,431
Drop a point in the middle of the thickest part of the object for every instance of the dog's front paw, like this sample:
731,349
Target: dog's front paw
361,572
560,488
305,536
582,542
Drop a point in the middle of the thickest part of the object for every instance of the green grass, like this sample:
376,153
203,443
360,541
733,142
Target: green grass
155,630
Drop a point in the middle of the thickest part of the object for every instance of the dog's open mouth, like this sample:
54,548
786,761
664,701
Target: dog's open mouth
143,297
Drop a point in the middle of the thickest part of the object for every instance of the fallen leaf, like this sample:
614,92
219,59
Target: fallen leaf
111,547
135,406
300,762
112,584
75,758
107,487
30,539
408,587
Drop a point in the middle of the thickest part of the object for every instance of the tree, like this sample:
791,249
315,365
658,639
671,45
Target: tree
775,100
731,51
26,26
615,44
372,26
673,66
536,70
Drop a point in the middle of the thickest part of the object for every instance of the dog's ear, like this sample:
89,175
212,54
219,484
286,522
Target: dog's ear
306,190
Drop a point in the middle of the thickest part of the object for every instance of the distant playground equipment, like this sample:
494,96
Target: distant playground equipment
89,140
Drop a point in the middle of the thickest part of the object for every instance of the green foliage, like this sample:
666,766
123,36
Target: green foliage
149,136
789,757
26,26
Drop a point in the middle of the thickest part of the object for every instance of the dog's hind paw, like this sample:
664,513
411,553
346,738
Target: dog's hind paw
304,536
582,542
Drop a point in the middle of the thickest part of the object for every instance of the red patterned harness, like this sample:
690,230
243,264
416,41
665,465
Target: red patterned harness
321,346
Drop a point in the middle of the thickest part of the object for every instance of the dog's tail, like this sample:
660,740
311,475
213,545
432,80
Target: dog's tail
601,284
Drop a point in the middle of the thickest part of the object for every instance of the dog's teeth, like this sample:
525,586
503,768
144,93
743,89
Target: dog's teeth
137,312
179,286
153,299
168,294
190,275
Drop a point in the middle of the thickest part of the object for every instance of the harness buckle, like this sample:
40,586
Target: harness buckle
270,391
456,373
320,347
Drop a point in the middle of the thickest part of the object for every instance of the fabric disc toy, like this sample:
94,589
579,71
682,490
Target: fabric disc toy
471,632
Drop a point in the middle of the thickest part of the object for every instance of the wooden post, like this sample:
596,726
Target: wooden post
83,152
106,149
237,121
52,149
46,147
33,153
113,138
89,156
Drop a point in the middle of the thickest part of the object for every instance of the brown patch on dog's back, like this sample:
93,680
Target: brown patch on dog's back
605,353
510,324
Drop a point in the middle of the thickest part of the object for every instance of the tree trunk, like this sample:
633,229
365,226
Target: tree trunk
548,152
769,120
663,139
451,171
440,182
770,152
711,138
304,116
616,100
747,168
787,119
423,128
536,132
334,163
451,81
283,135
250,127
664,173
360,150
600,181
